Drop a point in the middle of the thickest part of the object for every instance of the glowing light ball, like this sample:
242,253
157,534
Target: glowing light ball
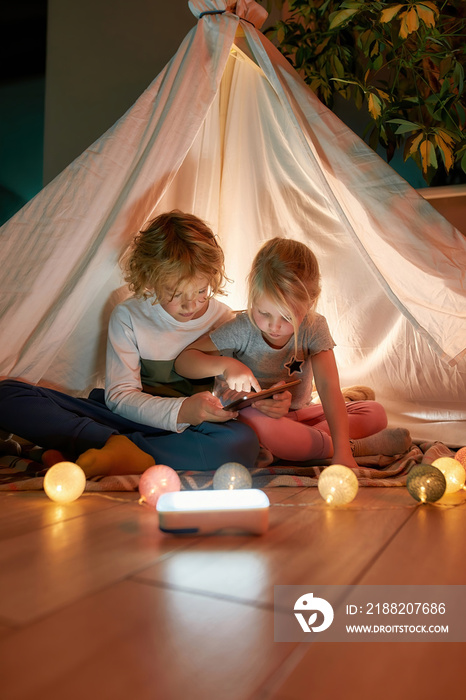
453,472
338,485
426,483
157,480
461,456
64,482
232,475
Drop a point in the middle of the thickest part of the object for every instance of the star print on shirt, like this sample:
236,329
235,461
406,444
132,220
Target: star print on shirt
294,365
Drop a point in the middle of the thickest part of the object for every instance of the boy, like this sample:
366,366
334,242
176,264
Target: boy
150,413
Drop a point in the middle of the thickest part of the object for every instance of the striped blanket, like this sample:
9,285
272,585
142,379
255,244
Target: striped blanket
19,474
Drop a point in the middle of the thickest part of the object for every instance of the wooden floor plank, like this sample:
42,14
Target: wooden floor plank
280,494
307,542
27,511
360,671
96,597
145,642
429,549
4,630
43,570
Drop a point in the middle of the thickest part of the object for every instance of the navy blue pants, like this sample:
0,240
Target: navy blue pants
54,420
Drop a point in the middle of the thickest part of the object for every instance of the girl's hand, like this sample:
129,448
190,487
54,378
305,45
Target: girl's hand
203,407
230,395
238,376
277,406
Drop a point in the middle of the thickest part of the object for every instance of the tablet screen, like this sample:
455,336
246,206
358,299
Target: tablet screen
248,399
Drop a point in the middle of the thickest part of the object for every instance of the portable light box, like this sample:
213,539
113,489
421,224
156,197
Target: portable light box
203,512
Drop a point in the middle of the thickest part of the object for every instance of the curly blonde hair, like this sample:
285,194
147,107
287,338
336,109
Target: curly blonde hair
288,273
174,245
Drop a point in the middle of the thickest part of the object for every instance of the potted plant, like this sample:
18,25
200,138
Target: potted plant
401,63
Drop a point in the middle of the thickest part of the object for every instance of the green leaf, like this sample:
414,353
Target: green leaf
405,126
378,62
463,162
458,76
358,97
341,17
320,47
406,129
350,5
383,134
349,82
461,113
374,139
338,65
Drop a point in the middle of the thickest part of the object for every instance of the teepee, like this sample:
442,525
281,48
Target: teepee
230,132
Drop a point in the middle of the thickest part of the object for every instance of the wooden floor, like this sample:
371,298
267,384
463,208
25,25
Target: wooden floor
96,602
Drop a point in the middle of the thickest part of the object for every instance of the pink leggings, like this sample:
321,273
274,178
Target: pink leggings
304,434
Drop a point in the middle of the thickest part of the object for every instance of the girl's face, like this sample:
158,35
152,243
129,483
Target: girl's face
276,329
188,301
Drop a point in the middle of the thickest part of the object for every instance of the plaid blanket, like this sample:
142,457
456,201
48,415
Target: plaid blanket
20,474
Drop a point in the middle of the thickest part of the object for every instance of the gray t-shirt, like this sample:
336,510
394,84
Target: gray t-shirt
241,339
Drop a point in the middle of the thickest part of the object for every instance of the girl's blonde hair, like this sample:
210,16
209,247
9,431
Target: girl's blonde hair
288,273
174,246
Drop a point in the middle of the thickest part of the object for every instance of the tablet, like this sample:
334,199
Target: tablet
248,399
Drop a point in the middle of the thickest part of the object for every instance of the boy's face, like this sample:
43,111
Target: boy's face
187,300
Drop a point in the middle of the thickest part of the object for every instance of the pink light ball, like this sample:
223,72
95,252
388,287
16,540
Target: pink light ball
158,480
461,456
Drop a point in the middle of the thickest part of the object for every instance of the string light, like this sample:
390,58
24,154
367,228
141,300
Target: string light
426,483
157,480
453,472
232,475
337,485
64,482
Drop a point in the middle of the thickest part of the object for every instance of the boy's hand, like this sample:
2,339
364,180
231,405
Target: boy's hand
238,376
203,407
277,406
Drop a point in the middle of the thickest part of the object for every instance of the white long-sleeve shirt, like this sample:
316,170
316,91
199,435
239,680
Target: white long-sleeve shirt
143,342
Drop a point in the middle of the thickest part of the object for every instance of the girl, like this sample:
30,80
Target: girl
149,413
282,338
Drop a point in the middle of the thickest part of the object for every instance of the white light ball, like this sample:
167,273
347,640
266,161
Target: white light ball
338,485
232,475
453,471
64,482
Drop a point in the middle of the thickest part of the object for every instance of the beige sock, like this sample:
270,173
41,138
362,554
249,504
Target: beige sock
118,456
391,441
